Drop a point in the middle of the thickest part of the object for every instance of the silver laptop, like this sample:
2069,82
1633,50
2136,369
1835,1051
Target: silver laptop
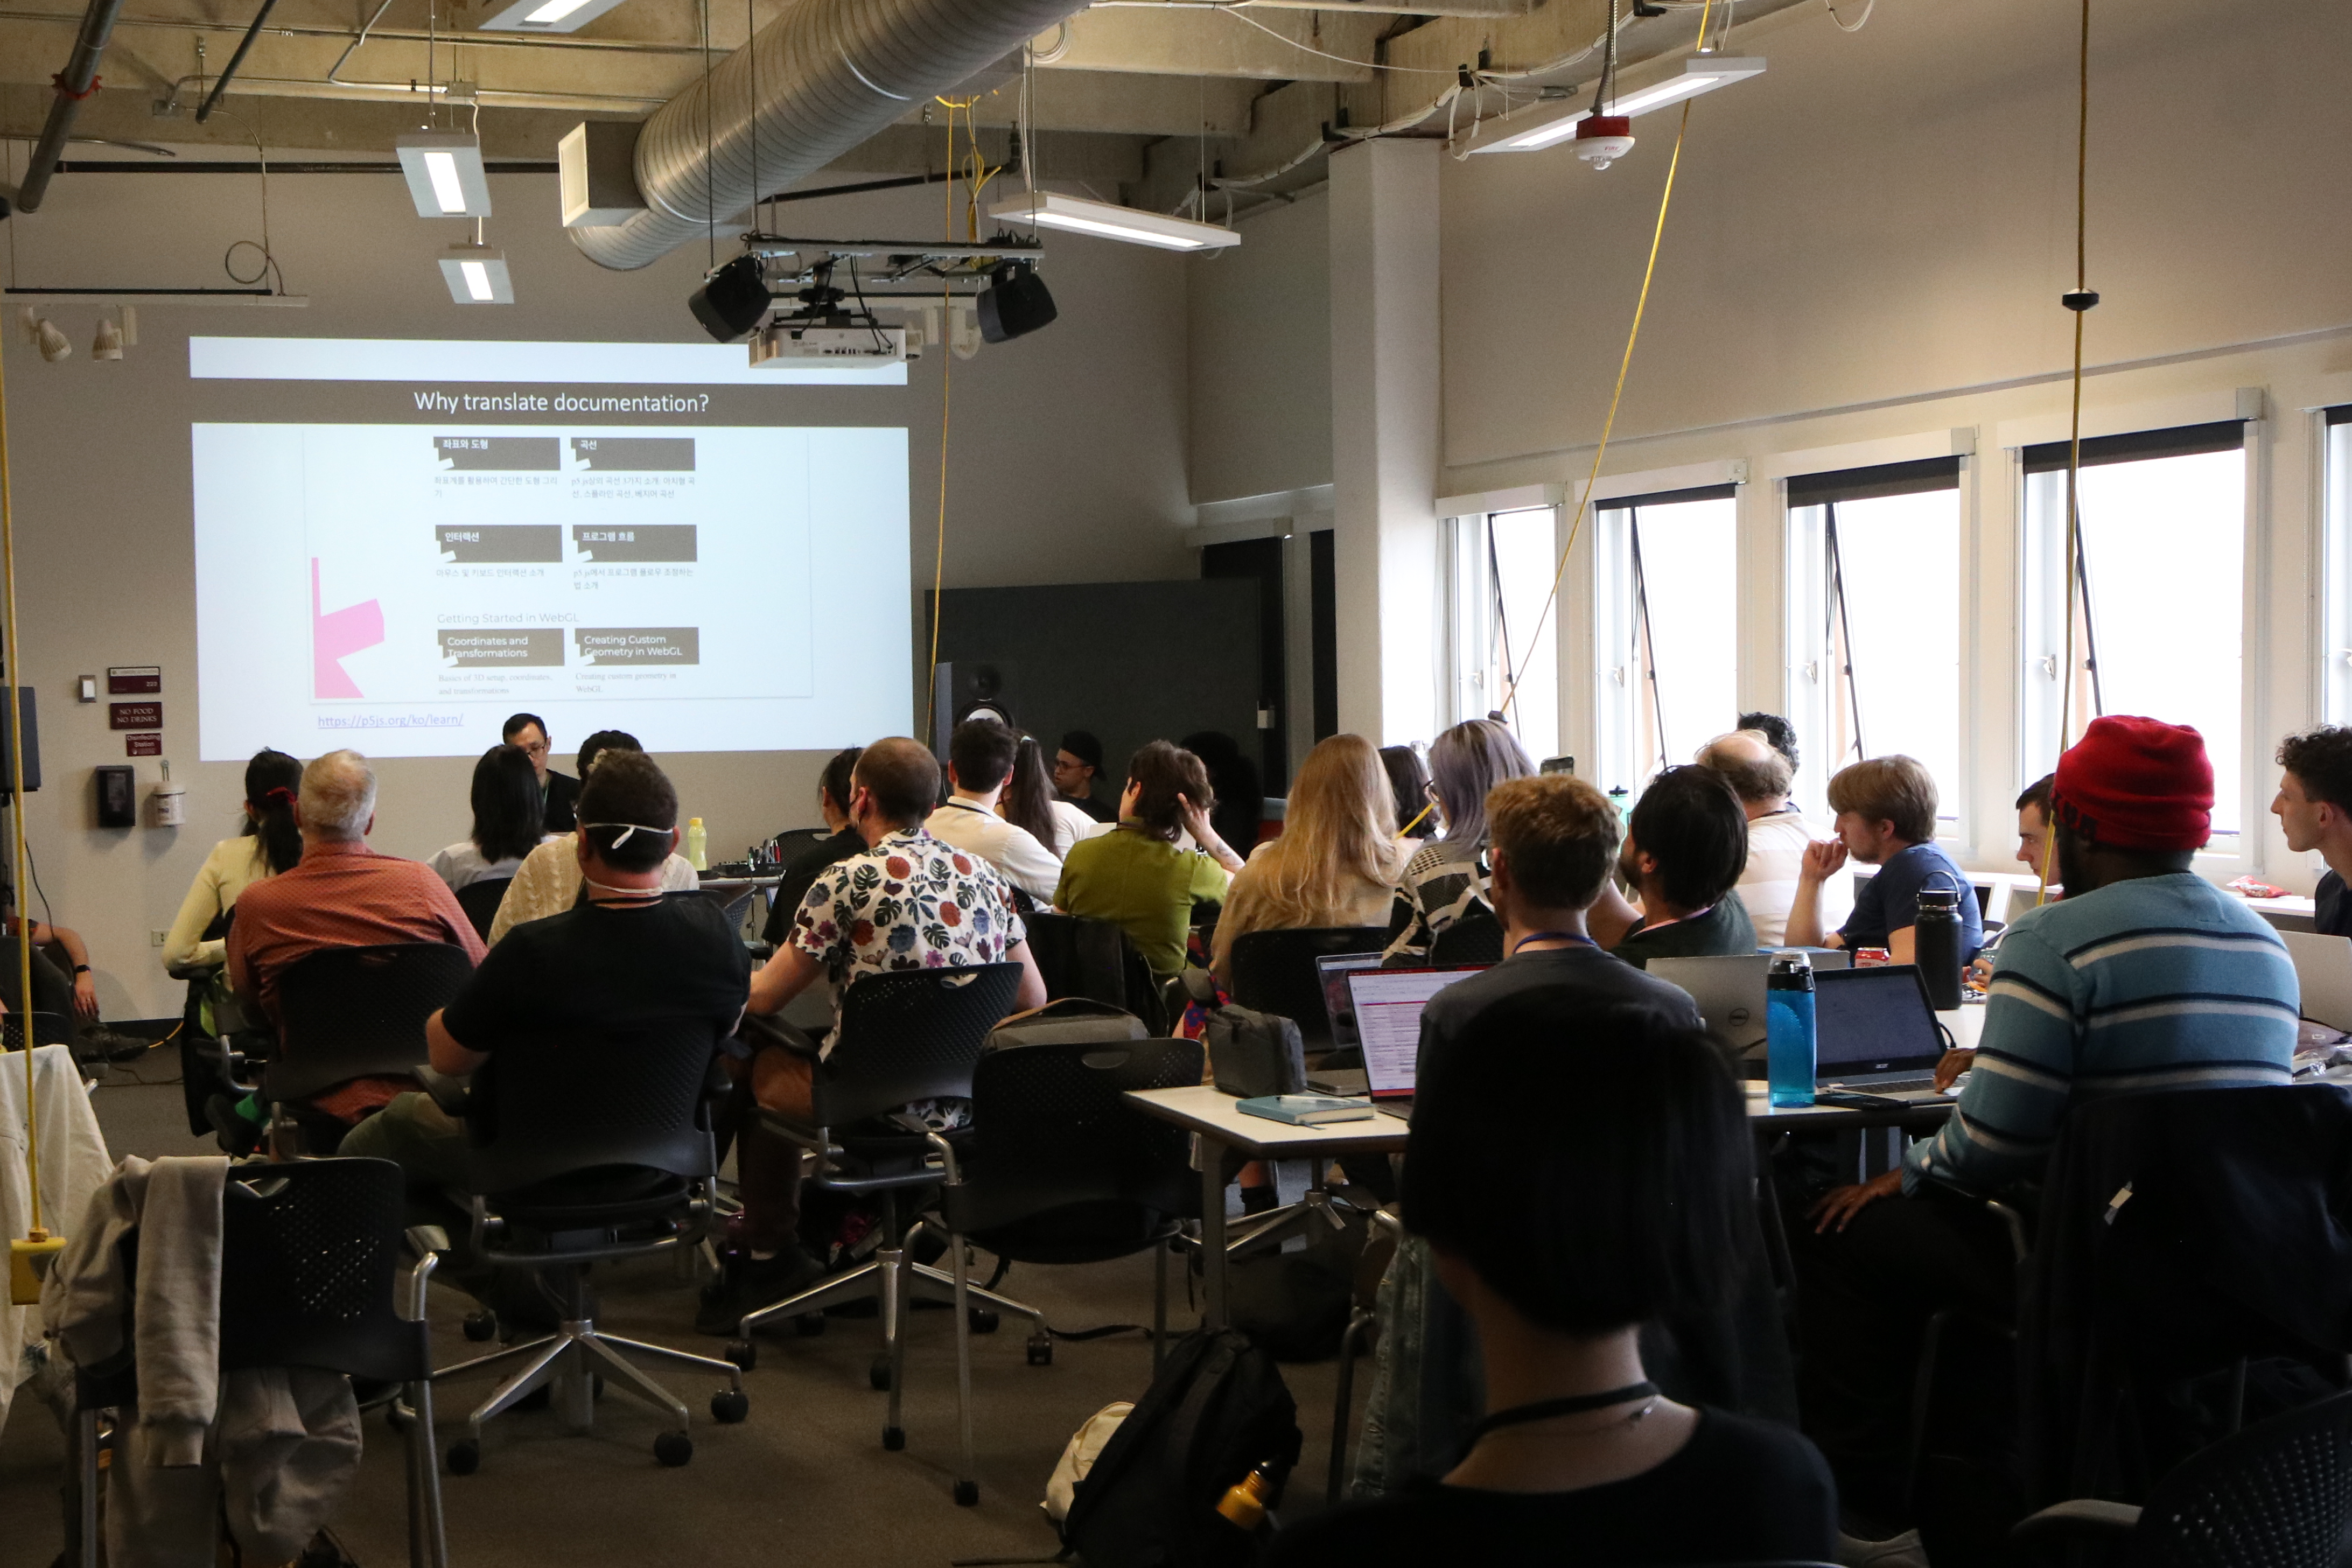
1729,991
1387,1004
2323,967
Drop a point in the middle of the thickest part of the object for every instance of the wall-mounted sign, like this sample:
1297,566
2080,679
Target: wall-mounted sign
143,745
133,679
134,715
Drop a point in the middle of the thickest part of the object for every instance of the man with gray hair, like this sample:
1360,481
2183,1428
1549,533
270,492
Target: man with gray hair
1759,774
340,894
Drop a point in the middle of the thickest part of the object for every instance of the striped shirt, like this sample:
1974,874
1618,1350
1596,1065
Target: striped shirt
1441,882
2153,983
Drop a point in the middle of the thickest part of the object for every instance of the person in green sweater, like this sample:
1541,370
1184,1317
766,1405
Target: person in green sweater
1138,876
1684,849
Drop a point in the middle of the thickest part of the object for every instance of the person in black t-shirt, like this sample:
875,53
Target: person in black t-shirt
2314,808
628,959
801,872
1560,1233
1076,763
1684,849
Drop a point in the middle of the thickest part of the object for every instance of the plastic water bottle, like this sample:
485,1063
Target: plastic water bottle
697,844
1936,946
1788,1029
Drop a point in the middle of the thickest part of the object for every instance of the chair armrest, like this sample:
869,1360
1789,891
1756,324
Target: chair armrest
946,1152
242,1060
2080,1517
450,1092
428,1242
1199,985
2020,1242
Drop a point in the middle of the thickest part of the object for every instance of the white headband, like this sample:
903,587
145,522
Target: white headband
630,830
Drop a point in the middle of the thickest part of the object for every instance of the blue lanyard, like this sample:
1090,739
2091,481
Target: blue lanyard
1551,936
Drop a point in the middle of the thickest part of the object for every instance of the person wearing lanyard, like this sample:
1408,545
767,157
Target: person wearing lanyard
1684,849
980,759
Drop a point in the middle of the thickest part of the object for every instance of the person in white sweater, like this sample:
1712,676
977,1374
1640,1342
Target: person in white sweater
1776,835
980,759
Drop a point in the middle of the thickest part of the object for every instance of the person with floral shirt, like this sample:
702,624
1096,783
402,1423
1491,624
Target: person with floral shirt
909,901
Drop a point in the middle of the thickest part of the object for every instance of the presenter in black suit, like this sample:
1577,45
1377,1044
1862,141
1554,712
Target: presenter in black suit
560,791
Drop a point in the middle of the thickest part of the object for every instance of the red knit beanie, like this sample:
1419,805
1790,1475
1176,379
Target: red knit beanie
2137,783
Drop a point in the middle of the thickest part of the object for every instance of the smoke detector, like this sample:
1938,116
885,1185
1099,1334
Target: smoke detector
1602,138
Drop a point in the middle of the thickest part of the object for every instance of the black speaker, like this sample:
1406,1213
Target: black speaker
961,689
1015,303
32,741
731,301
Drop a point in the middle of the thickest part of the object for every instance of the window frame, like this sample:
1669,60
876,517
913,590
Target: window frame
1468,673
1624,672
2333,427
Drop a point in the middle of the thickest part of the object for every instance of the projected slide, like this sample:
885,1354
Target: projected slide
401,588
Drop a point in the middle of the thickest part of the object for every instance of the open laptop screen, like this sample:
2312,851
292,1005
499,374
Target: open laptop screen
1387,1004
1872,1021
1331,971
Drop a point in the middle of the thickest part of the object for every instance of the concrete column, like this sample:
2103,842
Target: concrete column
1384,435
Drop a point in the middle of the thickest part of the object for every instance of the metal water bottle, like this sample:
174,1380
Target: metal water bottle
1788,1061
1936,946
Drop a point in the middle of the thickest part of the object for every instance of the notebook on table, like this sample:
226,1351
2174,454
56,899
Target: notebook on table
1387,1004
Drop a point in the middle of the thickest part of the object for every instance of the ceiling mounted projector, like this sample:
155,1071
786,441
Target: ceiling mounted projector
445,177
788,343
1107,221
731,301
1015,303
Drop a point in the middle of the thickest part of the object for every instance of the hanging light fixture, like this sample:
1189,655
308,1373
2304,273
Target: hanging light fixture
446,176
477,275
1048,209
1701,75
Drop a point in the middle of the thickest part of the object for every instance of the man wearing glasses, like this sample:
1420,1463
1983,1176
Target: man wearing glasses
560,791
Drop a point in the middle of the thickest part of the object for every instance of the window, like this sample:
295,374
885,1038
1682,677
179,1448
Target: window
2160,616
1875,636
2336,627
1501,566
1665,629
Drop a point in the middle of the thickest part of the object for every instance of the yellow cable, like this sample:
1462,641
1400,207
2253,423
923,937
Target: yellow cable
947,388
2074,445
16,818
1641,304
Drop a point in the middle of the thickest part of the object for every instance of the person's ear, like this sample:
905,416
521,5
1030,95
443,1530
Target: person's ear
371,825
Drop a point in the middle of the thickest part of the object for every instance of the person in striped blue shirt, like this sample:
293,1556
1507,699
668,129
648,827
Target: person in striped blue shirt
2146,978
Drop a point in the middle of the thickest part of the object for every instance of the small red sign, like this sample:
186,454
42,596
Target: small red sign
133,679
134,715
143,745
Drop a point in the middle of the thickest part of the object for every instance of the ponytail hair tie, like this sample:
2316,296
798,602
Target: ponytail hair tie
278,794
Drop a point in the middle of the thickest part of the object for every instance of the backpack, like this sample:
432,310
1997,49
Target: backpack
1218,1410
1079,1457
1252,1053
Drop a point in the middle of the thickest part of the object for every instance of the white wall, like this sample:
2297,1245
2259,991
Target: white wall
1261,356
1068,465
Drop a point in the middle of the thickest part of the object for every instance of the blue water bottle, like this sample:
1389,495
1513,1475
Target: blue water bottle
1788,1029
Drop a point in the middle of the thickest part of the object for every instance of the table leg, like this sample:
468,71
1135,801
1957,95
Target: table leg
1212,1233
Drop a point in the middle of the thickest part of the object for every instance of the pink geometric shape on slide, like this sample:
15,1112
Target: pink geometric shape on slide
346,631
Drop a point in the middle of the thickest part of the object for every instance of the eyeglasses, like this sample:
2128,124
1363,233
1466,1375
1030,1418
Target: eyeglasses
538,749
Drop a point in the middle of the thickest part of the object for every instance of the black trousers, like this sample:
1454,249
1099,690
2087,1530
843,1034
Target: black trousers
1865,1296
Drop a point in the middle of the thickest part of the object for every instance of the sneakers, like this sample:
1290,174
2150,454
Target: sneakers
238,1137
750,1283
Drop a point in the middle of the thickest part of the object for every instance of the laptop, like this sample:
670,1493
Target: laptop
1873,1029
1331,971
2323,967
1387,1004
1729,991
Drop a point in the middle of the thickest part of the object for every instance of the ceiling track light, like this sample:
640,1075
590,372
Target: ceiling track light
1704,73
444,174
1106,220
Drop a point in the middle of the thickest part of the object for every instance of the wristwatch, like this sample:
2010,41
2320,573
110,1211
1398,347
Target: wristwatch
81,968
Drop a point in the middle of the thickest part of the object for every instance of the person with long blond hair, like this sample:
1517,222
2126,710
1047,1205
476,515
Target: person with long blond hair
1336,860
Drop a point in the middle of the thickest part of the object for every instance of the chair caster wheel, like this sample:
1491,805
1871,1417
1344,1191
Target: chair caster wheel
808,1325
1041,1350
481,1326
743,1354
465,1457
984,1319
966,1494
879,1374
894,1437
730,1406
673,1449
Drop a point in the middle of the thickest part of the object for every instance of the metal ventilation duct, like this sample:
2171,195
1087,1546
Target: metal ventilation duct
831,74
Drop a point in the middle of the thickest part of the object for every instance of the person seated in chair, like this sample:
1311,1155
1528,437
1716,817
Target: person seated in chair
1885,817
2146,978
1139,875
980,762
909,901
548,881
1684,849
509,822
1619,1207
340,894
801,872
628,960
1759,775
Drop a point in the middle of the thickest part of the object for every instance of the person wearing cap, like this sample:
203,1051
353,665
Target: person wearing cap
2146,978
1075,767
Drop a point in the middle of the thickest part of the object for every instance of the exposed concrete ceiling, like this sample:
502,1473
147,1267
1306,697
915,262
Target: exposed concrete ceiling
1135,94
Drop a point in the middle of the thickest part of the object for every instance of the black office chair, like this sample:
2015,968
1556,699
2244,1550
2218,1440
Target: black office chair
309,1278
2277,1494
1476,938
1079,956
582,1148
1065,1171
1274,971
480,901
346,1013
910,1034
48,1029
792,840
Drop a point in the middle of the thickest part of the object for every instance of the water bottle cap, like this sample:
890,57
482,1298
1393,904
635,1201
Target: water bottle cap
1947,898
694,822
1791,964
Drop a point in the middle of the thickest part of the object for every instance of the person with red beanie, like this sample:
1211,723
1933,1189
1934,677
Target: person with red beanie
2146,977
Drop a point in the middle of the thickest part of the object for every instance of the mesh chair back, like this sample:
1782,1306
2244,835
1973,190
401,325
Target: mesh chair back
48,1029
359,1012
1079,956
2276,1495
480,901
1274,971
1476,938
1054,1114
546,1107
792,840
309,1252
912,1033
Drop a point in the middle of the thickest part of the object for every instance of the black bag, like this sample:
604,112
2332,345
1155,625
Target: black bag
1295,1304
1252,1053
1218,1410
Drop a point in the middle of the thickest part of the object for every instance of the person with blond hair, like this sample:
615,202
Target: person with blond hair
1337,861
1885,817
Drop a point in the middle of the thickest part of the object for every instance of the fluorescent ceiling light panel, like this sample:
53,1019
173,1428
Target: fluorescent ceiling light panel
1701,73
477,275
1106,221
547,16
445,177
